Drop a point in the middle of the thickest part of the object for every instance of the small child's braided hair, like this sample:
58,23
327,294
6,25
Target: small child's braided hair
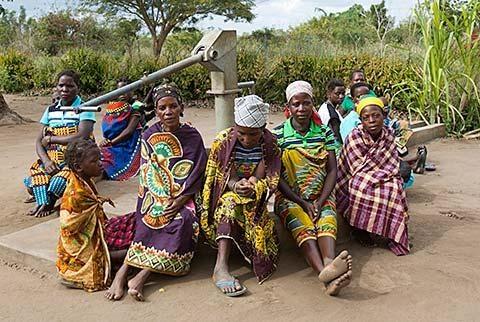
76,151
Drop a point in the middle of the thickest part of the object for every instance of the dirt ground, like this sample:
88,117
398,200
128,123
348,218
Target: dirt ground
438,281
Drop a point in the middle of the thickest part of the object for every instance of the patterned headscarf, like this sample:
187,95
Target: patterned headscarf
251,111
165,90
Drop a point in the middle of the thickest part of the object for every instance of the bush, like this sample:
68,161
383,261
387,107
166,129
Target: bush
45,70
15,71
95,69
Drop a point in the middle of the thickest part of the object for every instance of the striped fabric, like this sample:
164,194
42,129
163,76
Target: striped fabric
369,188
246,160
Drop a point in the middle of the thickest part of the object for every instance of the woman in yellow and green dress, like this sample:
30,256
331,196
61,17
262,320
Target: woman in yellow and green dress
305,202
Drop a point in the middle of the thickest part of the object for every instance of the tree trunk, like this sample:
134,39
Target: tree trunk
159,39
9,117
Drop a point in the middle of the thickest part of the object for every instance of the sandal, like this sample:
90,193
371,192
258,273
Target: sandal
230,283
422,158
29,199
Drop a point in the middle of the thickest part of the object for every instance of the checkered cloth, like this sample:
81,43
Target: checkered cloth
251,111
369,188
119,231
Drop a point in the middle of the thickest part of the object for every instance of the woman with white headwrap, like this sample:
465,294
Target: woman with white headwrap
305,202
242,173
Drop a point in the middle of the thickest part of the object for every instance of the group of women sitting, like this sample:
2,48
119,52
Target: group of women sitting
183,194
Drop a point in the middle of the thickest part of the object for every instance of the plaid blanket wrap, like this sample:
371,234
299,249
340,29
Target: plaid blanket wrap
369,187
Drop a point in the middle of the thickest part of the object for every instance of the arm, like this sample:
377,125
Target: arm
292,196
85,128
175,205
128,131
334,125
50,166
330,180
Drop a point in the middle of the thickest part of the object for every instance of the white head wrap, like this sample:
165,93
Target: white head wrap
298,87
251,111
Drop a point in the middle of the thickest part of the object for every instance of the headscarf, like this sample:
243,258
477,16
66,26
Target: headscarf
165,90
367,101
251,111
298,87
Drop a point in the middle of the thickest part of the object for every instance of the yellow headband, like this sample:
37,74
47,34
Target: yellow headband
367,101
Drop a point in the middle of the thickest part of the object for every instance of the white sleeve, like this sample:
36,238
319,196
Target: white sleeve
324,114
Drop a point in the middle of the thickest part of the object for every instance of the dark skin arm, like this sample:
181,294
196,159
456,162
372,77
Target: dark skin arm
329,183
175,205
50,166
85,128
334,125
290,195
127,132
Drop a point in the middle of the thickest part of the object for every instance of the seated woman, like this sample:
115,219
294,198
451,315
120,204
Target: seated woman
242,172
122,137
369,188
305,203
328,111
171,173
83,259
47,179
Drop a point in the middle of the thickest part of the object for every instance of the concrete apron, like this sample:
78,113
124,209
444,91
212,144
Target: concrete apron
36,246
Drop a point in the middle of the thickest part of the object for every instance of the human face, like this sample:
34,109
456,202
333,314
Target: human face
359,92
67,89
372,120
249,137
168,110
91,165
301,108
357,78
124,97
337,95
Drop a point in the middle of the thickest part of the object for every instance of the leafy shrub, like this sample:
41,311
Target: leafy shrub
92,66
15,71
45,70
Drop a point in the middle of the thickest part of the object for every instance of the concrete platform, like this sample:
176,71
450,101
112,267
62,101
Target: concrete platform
424,134
36,246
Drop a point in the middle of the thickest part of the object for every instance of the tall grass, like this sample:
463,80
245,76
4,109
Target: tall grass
448,90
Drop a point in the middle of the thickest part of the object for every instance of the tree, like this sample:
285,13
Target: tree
379,20
162,16
7,116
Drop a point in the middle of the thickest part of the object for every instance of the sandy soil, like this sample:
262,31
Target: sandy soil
439,281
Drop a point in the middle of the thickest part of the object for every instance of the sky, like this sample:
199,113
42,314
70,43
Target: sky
279,14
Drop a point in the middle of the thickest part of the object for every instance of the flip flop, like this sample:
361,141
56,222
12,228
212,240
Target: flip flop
230,283
30,199
430,167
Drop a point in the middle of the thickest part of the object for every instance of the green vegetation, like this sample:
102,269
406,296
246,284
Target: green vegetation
428,66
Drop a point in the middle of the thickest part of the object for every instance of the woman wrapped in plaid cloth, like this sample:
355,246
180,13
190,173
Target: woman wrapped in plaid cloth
369,187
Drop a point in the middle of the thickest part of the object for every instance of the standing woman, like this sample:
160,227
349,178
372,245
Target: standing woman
305,202
122,137
166,223
48,177
328,111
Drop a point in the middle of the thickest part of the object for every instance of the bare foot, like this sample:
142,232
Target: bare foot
135,285
46,210
341,264
226,282
334,287
33,211
117,289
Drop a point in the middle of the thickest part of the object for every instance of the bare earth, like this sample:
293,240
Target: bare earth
439,281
